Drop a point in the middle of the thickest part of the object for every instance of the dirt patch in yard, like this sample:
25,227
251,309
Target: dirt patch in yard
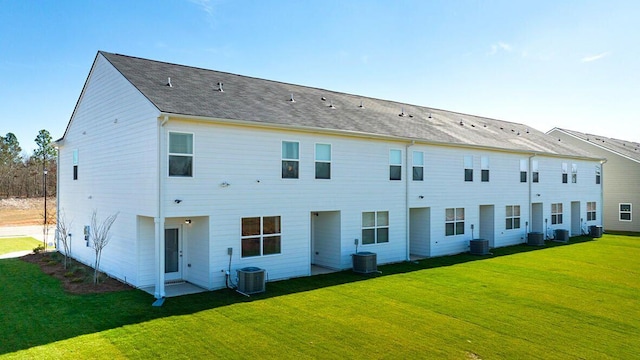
26,211
77,278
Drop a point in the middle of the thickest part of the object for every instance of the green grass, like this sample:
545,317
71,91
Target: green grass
12,244
577,301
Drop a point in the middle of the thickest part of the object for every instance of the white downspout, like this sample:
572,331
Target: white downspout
159,292
406,201
58,199
530,181
602,192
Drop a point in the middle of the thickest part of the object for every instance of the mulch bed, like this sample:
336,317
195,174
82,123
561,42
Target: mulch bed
77,278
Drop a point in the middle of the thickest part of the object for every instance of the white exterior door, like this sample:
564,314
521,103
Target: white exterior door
172,255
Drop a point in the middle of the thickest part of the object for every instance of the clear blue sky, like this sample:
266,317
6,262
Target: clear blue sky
571,64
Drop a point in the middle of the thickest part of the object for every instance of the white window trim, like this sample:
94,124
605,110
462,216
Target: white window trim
400,164
630,212
262,235
315,157
193,157
413,160
513,217
455,221
282,158
594,211
557,213
375,227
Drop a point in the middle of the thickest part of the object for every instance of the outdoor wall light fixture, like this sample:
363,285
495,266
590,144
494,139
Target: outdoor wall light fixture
177,201
420,197
188,221
224,184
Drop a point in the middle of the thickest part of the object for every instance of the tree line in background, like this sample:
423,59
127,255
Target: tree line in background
23,175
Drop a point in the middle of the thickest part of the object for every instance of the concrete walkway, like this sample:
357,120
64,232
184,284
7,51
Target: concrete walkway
34,231
15,254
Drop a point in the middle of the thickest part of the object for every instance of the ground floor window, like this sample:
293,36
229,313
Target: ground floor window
591,210
513,217
260,236
625,212
556,213
454,221
375,227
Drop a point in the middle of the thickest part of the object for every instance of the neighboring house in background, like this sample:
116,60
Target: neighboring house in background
212,171
621,179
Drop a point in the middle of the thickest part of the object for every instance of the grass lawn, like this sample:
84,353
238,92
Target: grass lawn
577,301
8,245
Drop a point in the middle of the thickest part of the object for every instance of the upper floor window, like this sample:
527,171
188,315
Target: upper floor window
591,210
75,164
523,170
598,175
468,168
556,213
418,166
395,164
565,176
323,161
535,177
484,166
261,236
454,221
513,217
574,173
180,154
625,212
375,227
290,159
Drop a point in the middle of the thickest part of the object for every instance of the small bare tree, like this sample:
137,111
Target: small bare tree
62,229
100,238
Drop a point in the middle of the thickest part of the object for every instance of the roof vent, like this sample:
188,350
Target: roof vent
518,133
429,115
292,99
472,125
323,98
220,87
527,131
361,105
169,82
331,105
461,122
402,113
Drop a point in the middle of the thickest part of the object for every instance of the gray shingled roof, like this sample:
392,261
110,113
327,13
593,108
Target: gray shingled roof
630,149
194,92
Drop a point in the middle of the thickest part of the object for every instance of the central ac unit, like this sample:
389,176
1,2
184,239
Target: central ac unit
365,262
479,246
251,280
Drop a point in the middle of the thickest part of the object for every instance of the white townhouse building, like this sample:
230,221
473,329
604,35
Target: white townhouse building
210,171
621,205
